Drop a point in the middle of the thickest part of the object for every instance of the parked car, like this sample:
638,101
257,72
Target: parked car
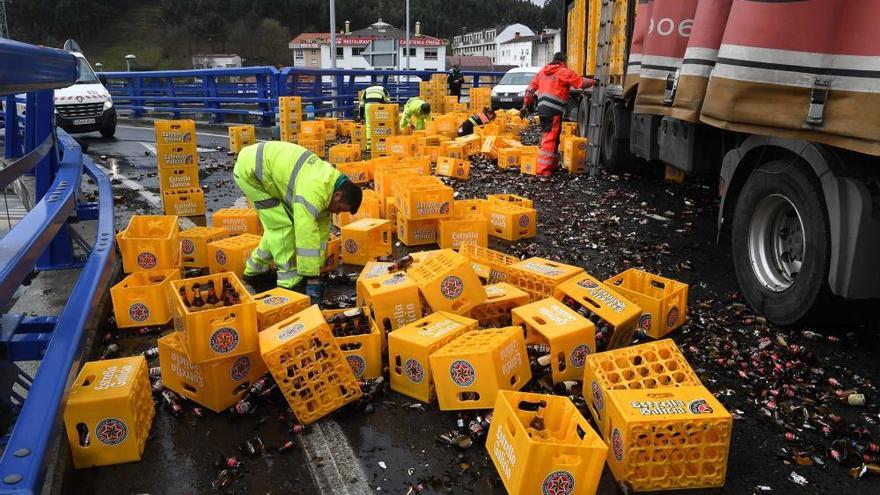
511,89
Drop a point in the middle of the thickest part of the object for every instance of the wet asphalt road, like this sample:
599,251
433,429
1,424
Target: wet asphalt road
600,224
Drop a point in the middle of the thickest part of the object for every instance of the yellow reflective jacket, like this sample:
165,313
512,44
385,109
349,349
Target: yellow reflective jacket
304,185
412,114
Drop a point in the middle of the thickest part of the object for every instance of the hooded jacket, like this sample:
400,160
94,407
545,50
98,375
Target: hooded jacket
551,87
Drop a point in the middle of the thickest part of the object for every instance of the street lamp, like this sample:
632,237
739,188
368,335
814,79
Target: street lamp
332,34
129,62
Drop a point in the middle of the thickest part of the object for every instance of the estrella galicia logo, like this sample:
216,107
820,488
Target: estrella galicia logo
645,322
138,312
598,398
147,260
617,444
111,431
351,246
275,300
558,483
358,365
523,221
700,406
414,370
579,355
588,283
224,340
291,331
240,368
444,208
451,287
188,246
672,317
220,256
462,373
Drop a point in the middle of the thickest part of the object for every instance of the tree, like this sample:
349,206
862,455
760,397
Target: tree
262,42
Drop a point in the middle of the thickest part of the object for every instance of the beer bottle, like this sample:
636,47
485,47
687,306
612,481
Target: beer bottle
183,297
536,425
401,264
197,301
212,299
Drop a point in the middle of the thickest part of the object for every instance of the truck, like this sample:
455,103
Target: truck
778,98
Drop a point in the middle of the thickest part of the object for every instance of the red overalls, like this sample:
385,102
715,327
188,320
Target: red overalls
550,86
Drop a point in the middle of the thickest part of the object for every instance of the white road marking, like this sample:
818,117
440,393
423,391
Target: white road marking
332,463
149,196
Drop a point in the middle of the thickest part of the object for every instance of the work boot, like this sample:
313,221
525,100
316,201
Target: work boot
260,282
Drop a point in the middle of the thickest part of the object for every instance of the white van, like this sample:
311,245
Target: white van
511,89
86,106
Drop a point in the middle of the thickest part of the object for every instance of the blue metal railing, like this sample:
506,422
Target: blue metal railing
40,239
254,91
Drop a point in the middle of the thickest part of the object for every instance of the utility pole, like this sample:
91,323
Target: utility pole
4,27
332,34
407,39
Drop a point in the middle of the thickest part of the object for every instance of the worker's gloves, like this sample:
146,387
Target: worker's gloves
315,290
589,83
523,112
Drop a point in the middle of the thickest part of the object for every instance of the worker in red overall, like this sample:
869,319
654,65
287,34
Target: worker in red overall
551,85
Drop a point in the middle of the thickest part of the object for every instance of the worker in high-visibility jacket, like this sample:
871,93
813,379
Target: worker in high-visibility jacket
551,85
369,96
475,120
415,113
294,192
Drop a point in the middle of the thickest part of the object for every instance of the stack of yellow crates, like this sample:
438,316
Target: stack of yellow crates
179,168
480,98
290,116
383,124
241,136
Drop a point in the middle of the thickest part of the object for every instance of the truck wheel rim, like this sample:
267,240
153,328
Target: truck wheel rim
776,243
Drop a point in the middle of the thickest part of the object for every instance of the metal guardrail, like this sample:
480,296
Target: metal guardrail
254,91
40,240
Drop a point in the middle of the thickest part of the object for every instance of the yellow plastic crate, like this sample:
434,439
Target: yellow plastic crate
182,177
231,254
668,439
569,129
422,198
509,157
333,254
343,127
510,222
238,221
464,229
312,129
308,365
653,365
184,202
356,171
372,269
216,385
469,371
389,212
510,199
393,299
290,106
218,332
467,207
384,175
418,232
194,244
315,145
150,242
410,347
362,352
501,298
491,145
574,154
109,412
382,113
570,336
402,146
564,458
370,208
448,282
456,150
663,300
344,153
140,299
496,262
177,155
175,132
365,240
615,317
453,167
539,276
278,304
528,164
241,136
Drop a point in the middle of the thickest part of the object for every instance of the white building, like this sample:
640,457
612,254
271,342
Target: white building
485,43
426,52
516,52
545,44
216,61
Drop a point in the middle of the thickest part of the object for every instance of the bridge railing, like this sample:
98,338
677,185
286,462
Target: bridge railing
254,91
40,241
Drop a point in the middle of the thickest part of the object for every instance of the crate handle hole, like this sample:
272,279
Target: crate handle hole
539,320
660,395
82,433
560,359
351,346
580,432
397,365
513,380
591,302
189,388
529,406
566,460
657,284
468,396
88,381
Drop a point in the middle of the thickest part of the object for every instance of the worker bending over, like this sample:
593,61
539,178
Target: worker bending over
415,113
369,96
294,193
477,119
551,84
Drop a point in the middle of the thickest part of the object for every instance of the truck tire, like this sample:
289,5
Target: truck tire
615,138
108,132
780,241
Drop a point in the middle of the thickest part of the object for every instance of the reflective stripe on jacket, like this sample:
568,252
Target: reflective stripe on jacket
304,184
479,119
551,87
374,94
